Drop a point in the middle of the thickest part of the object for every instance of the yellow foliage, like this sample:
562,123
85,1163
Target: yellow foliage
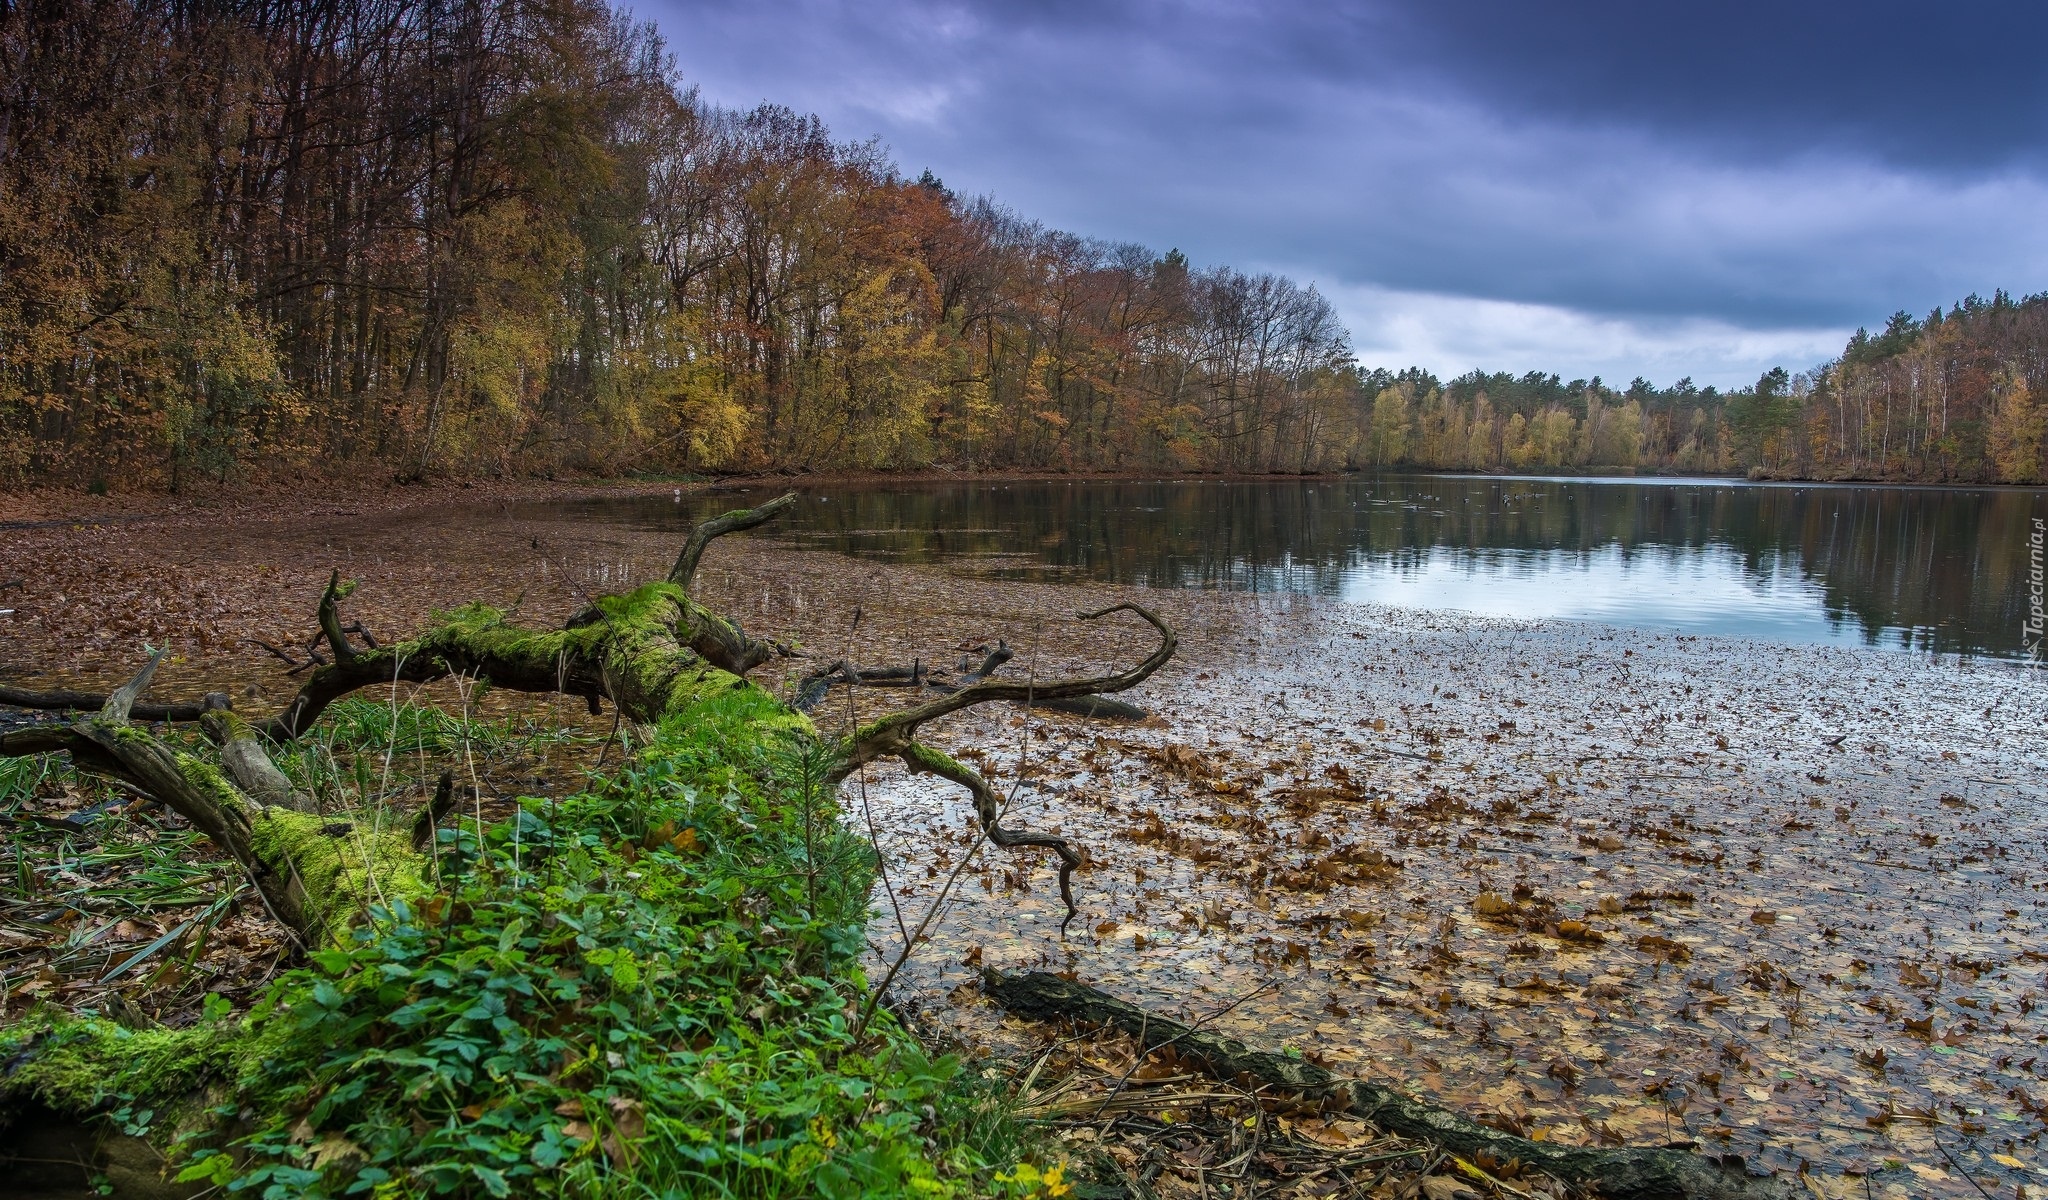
2019,426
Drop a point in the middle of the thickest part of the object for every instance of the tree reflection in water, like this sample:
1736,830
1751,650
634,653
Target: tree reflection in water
1936,569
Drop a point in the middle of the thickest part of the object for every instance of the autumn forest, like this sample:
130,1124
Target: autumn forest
448,238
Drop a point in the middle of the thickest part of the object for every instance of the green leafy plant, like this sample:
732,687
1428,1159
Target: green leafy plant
649,988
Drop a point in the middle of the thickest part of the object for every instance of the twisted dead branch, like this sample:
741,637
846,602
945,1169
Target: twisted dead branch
812,689
684,572
895,736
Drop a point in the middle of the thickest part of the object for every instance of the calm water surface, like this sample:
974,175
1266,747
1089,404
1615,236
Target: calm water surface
1931,569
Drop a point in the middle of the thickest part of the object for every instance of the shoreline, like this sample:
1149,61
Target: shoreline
341,496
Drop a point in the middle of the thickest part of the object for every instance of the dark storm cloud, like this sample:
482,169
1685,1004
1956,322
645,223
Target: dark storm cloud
1956,86
1616,182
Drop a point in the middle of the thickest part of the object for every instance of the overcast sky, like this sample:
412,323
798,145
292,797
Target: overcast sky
1616,187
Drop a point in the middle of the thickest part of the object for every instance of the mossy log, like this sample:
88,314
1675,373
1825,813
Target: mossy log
654,652
362,893
1619,1174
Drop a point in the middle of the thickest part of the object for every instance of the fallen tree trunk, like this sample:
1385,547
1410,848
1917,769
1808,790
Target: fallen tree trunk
1619,1174
649,986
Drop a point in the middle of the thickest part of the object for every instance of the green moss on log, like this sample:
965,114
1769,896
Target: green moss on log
212,781
938,761
75,1065
343,866
648,988
83,1066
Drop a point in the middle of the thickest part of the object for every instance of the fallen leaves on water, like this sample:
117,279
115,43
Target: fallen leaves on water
1674,908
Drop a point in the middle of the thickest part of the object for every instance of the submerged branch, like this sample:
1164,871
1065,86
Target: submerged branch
1620,1174
1081,697
65,700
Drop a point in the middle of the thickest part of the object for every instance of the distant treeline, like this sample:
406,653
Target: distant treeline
449,236
1961,396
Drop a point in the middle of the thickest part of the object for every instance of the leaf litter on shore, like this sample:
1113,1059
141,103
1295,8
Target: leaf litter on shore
1595,886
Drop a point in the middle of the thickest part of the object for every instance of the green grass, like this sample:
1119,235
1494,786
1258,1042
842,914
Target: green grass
22,778
362,749
372,727
131,866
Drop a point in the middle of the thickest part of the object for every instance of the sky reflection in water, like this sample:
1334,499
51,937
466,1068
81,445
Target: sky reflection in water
1708,590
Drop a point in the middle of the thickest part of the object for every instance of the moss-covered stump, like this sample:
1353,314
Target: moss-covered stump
651,988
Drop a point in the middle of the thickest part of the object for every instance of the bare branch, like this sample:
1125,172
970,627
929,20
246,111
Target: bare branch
894,736
330,619
332,681
994,660
812,688
123,699
295,665
247,762
702,536
988,809
898,727
1093,706
880,991
440,806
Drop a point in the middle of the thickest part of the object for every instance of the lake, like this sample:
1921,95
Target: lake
1943,570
